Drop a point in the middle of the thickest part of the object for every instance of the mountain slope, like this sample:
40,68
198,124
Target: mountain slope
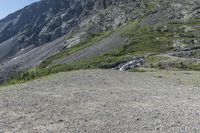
48,20
31,28
58,26
146,36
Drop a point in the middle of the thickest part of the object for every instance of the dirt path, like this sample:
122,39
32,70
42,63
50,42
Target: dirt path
103,101
171,56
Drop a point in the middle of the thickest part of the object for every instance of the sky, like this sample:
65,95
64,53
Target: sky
10,6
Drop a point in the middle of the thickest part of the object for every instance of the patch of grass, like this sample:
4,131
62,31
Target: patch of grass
28,76
146,40
137,70
151,6
152,61
194,67
185,65
130,28
191,22
155,59
105,62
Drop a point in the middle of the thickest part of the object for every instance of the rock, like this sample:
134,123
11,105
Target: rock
131,64
74,40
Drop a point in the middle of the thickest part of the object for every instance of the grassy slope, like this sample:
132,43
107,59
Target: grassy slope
177,28
143,41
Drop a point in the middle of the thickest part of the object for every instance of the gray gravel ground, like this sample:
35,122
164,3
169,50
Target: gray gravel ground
97,101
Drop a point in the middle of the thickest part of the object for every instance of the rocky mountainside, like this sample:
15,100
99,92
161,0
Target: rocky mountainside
48,20
33,30
48,27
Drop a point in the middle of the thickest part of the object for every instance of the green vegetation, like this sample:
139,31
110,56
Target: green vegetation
167,64
137,70
151,6
191,22
195,67
143,41
152,61
106,61
155,59
130,28
146,42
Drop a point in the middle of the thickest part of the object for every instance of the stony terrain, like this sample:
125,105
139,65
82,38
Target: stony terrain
52,36
103,101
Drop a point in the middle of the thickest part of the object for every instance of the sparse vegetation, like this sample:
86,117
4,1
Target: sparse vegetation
88,42
142,41
146,41
195,67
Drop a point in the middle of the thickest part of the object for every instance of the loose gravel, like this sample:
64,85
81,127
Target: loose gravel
97,101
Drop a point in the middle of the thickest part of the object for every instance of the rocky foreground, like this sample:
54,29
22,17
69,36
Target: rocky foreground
103,101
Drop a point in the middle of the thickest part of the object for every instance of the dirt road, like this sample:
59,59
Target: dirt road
103,101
